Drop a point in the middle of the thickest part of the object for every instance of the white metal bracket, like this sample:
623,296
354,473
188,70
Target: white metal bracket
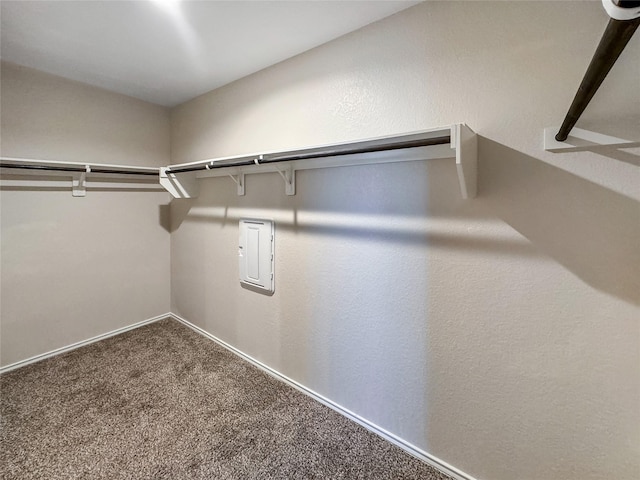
184,185
582,140
239,180
78,183
289,177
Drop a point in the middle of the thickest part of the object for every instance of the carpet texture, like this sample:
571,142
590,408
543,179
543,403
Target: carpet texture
163,402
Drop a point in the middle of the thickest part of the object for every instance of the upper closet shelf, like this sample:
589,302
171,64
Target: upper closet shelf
456,141
21,172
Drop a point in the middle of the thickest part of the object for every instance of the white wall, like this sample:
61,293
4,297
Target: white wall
71,267
499,334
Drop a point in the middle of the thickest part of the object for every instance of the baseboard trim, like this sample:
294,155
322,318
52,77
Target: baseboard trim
406,446
73,346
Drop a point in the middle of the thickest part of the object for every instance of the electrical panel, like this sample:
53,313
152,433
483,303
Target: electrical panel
255,253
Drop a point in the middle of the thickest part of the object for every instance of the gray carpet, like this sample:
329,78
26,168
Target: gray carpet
162,401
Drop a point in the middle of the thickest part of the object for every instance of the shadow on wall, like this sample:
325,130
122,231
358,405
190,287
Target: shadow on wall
590,230
620,155
178,211
164,216
316,215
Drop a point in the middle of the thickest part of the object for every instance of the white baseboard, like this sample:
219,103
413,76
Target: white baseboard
73,346
406,446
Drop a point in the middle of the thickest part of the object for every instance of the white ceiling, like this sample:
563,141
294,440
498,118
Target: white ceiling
169,51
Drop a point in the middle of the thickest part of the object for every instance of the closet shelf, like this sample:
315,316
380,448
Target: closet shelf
182,181
22,172
455,141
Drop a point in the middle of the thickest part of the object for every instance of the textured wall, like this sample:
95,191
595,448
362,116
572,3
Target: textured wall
499,334
73,268
52,118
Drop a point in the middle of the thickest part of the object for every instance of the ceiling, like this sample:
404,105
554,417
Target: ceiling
169,51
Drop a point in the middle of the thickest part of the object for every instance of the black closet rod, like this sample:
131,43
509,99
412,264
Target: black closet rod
424,142
614,39
78,169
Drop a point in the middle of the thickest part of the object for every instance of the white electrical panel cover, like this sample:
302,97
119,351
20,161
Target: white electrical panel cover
256,252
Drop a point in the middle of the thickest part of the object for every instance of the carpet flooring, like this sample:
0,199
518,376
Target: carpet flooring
163,402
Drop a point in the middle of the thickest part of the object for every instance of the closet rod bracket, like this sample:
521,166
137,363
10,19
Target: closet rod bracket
239,181
79,183
289,177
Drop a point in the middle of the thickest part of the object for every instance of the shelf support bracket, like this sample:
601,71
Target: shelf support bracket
239,181
78,183
289,177
183,185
